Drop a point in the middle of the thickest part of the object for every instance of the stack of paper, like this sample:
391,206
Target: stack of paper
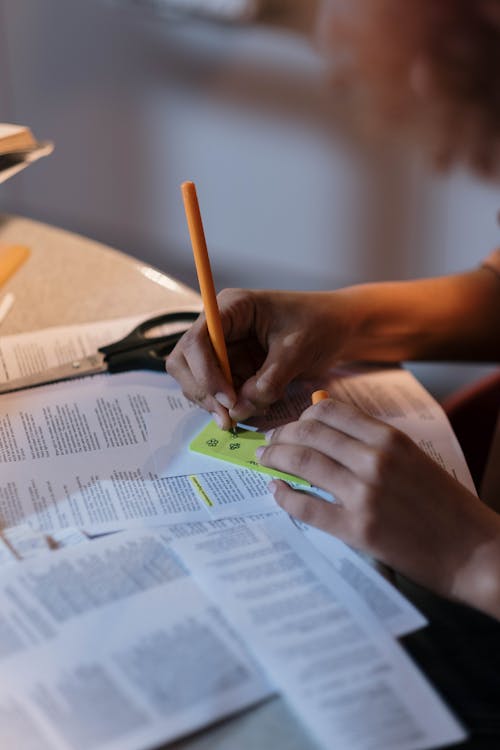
209,598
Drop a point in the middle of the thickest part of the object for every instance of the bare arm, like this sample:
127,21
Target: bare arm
274,337
446,318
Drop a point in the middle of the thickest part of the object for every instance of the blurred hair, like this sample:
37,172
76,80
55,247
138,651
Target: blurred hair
431,65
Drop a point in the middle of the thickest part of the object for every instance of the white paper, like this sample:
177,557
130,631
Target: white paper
352,685
7,556
77,454
26,542
28,353
393,610
112,645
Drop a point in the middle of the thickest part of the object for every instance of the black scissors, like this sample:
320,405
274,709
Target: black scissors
136,351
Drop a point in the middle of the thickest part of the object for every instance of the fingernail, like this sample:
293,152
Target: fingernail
268,435
224,400
218,419
272,487
259,451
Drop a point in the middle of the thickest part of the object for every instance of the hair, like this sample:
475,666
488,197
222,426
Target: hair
430,65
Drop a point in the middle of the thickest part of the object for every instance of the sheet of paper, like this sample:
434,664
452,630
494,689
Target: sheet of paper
26,542
352,685
380,596
112,645
7,555
77,454
397,614
80,454
392,609
29,353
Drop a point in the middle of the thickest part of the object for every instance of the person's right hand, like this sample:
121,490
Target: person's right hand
272,337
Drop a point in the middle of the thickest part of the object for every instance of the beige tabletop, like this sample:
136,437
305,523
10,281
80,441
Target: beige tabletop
71,279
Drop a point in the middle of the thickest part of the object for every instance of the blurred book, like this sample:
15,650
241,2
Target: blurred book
18,149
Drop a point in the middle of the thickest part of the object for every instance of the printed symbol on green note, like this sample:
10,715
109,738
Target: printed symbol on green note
212,443
234,446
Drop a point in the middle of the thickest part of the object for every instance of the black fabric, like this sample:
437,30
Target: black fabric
459,651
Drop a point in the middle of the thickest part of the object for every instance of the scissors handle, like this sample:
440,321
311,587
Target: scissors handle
137,351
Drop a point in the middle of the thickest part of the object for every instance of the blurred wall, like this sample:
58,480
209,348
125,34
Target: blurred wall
291,197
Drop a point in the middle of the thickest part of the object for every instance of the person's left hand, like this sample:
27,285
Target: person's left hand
393,501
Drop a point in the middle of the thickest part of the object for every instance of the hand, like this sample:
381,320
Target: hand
393,501
272,337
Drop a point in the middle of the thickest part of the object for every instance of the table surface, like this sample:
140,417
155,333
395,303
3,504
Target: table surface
71,279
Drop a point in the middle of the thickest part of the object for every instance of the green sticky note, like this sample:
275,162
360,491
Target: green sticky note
238,449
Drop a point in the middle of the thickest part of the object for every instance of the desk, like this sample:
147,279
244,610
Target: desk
71,279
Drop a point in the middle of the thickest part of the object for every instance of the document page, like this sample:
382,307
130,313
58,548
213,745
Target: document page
35,351
80,454
392,609
380,596
77,454
349,681
112,645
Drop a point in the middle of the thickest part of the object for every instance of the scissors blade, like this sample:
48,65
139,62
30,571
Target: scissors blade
77,368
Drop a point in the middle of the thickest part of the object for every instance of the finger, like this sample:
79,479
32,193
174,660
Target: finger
197,358
181,372
335,444
313,511
350,420
313,466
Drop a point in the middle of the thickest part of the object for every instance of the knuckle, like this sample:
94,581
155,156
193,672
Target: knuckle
307,511
382,465
199,396
301,459
275,435
324,409
366,521
392,439
191,341
368,529
230,295
304,430
172,363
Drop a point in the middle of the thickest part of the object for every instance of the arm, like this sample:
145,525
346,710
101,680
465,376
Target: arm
445,318
274,337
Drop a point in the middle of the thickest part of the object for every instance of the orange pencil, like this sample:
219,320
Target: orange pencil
318,396
205,278
11,257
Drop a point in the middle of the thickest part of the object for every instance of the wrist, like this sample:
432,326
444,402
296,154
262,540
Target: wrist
478,582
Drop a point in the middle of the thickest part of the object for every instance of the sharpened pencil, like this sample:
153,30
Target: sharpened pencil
205,278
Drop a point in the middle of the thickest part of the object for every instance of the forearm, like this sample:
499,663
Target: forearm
477,576
446,318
